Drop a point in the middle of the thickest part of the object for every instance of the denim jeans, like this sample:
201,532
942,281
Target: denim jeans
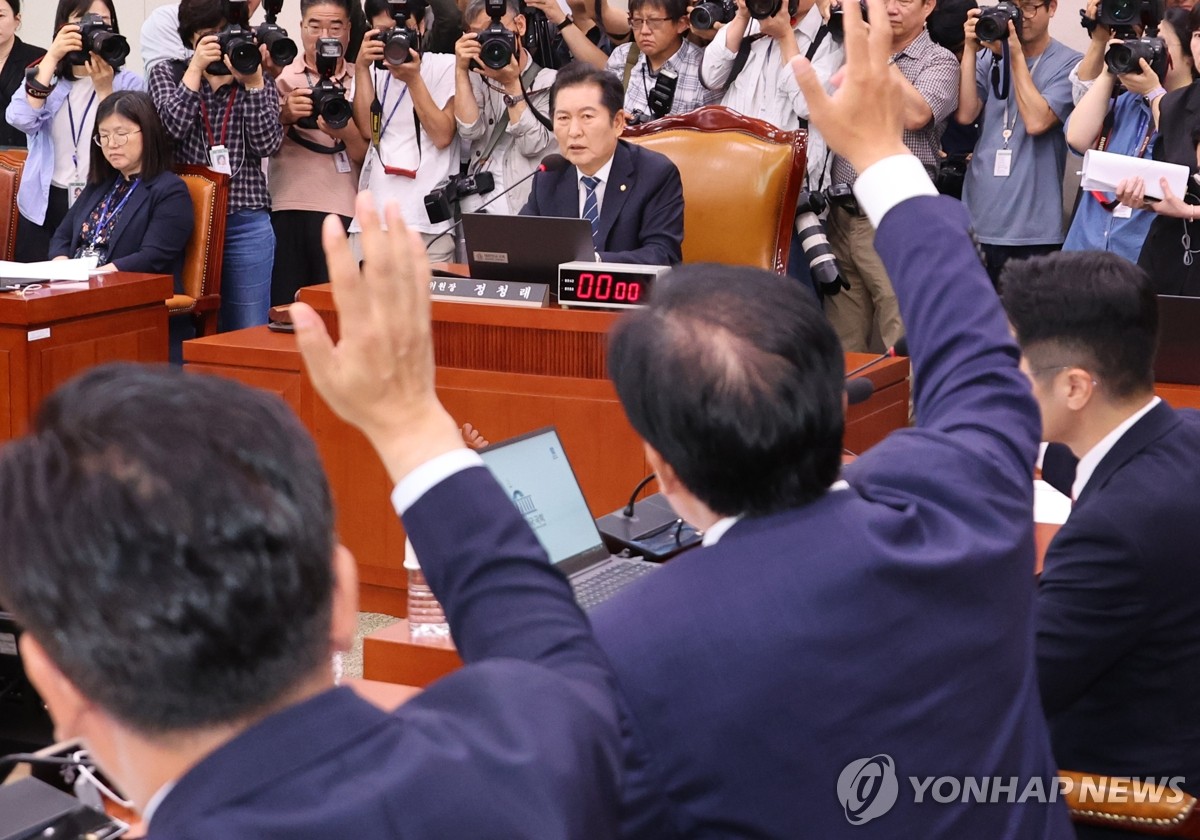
246,274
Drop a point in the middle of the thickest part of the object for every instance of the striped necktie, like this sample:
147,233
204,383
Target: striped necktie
591,207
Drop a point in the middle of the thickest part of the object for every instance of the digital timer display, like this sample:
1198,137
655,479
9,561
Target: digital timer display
606,285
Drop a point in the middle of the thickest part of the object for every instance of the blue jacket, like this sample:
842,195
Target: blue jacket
891,618
149,236
521,743
641,219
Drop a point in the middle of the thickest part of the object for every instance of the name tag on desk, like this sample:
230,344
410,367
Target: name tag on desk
467,290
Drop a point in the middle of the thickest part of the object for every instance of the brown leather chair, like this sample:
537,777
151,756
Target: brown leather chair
201,298
1130,805
741,178
12,163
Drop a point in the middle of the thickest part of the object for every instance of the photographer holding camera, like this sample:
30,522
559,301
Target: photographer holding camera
1016,79
317,168
1126,125
221,113
659,29
57,112
404,102
507,141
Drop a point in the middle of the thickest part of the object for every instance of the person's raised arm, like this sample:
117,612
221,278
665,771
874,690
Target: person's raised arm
969,101
965,362
1087,120
1035,111
438,122
364,82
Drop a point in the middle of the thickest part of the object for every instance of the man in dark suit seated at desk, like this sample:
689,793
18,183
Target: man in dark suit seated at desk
834,641
169,548
1118,609
632,196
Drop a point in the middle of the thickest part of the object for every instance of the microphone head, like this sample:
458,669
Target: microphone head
553,163
859,390
901,346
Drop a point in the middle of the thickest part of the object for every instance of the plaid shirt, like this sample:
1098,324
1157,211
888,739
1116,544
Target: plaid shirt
689,93
254,130
933,71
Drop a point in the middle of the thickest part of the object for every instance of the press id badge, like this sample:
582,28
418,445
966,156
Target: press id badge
218,160
341,162
1003,163
1122,211
74,190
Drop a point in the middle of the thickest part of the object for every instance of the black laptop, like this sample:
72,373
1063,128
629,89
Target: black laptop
534,471
524,249
1178,359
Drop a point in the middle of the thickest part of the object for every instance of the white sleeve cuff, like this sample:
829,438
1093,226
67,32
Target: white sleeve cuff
429,475
888,182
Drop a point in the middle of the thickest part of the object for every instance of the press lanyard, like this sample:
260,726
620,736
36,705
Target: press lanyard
380,126
76,136
1007,133
212,141
106,216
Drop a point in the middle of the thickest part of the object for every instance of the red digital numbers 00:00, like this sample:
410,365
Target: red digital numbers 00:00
601,287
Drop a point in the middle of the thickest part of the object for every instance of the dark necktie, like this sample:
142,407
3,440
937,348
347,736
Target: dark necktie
591,207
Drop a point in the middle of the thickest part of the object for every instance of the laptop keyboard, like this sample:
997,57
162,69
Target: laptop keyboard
601,586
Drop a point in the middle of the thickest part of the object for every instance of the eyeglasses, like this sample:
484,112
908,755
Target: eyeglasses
654,24
1031,9
333,30
117,138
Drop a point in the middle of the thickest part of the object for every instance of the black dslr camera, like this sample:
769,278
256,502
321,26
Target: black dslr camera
497,43
1126,57
992,23
439,204
237,42
1121,16
837,19
328,97
707,15
660,98
100,38
280,47
763,9
821,261
401,38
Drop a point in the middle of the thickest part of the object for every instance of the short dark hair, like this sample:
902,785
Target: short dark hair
138,108
371,8
62,15
945,22
612,94
673,9
1091,308
169,543
736,378
198,15
344,5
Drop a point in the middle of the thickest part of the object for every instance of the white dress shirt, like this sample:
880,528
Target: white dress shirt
602,174
1088,463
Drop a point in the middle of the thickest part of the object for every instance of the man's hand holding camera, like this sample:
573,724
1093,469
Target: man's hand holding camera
208,52
778,28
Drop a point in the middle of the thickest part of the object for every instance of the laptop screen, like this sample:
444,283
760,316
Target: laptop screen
534,471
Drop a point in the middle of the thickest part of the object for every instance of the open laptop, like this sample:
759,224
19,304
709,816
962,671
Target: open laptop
1178,358
24,723
537,476
524,249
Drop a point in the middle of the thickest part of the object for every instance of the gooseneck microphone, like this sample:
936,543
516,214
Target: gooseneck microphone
550,163
900,348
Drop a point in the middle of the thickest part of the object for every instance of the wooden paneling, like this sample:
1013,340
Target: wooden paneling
49,335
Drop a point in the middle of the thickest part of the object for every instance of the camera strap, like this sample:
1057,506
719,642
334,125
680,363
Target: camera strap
312,146
526,80
630,61
1002,74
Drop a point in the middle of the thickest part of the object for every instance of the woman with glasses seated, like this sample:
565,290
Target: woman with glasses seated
135,214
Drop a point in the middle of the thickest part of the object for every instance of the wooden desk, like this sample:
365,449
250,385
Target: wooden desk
50,334
506,371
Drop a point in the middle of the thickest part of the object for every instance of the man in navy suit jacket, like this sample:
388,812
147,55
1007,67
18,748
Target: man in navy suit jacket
1118,616
635,202
170,550
838,649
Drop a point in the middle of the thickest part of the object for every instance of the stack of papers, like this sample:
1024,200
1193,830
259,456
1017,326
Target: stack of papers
51,270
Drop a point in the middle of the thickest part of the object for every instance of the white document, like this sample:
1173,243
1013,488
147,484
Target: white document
48,270
1050,507
1104,170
